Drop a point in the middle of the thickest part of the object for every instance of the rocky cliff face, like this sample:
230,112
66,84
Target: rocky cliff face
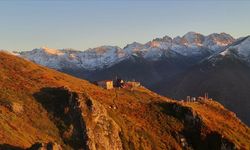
102,132
86,122
194,128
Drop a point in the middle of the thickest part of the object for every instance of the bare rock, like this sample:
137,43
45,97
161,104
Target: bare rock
102,130
45,146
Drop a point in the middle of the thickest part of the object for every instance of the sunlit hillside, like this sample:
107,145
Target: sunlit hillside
40,105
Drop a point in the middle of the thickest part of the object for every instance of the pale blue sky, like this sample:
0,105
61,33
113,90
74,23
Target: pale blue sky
27,24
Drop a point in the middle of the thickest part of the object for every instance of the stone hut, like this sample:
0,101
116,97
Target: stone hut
106,84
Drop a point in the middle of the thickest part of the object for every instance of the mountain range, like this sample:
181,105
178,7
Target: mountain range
193,64
41,108
191,44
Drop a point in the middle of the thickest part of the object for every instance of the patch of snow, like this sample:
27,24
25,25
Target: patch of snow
244,48
224,53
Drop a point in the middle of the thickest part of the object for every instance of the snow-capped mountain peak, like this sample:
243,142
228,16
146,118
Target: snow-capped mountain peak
90,59
192,44
193,38
49,51
217,40
133,47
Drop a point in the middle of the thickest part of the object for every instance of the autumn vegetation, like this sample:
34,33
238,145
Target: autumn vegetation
147,120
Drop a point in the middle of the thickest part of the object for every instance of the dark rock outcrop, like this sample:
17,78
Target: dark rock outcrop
45,146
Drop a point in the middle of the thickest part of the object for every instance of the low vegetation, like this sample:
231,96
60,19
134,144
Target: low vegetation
143,119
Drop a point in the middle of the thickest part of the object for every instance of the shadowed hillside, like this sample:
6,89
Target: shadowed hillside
228,81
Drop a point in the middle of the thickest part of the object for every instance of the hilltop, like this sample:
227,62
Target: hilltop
41,105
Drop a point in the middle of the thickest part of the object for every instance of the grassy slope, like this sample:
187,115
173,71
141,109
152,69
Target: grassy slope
19,80
144,124
217,118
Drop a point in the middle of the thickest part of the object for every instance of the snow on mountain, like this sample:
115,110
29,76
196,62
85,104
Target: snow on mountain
191,44
217,41
188,45
134,47
100,57
90,59
241,50
194,43
193,38
45,56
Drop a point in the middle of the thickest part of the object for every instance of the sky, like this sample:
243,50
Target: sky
83,24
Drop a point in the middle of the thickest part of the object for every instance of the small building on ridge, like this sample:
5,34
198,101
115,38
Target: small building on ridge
107,84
